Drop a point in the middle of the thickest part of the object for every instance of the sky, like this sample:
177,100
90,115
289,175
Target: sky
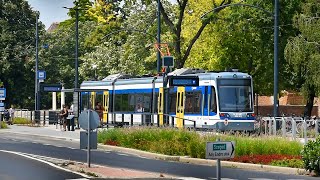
51,10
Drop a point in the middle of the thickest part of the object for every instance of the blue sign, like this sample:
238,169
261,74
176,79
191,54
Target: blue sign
51,87
184,81
1,104
41,75
2,93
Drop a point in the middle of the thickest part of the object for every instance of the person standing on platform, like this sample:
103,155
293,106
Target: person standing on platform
99,109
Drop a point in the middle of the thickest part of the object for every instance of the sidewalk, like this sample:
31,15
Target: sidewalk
110,172
48,130
101,171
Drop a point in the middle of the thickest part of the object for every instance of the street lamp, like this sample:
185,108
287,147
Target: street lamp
275,17
76,84
36,85
94,66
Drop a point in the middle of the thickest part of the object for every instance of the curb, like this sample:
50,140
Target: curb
207,162
183,159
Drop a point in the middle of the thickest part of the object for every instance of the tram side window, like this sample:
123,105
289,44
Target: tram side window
146,102
193,101
85,101
118,99
213,101
131,102
124,103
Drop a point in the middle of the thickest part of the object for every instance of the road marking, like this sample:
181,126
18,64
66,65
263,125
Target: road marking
78,179
123,154
260,179
43,161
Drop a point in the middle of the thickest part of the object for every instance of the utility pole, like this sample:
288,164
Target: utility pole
158,38
36,107
275,61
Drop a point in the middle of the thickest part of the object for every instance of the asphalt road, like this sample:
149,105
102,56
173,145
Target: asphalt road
70,150
16,167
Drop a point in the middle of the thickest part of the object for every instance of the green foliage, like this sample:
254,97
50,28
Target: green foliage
293,163
302,50
311,156
17,37
185,143
23,121
3,125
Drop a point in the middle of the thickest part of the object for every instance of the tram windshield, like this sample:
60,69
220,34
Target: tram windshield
235,95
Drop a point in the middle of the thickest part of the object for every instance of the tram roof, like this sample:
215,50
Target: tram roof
148,80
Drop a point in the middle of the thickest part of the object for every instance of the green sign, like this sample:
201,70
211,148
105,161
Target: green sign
219,147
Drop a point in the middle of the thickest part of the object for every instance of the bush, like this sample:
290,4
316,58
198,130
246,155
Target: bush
185,143
19,120
311,156
3,125
293,163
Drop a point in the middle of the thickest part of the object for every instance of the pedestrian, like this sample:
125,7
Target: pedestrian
63,116
99,109
11,112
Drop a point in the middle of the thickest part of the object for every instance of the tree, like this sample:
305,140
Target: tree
302,51
242,38
17,37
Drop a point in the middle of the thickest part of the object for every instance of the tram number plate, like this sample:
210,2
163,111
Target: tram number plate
237,115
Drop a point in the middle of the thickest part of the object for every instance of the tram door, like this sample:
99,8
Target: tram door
160,106
105,107
180,106
93,100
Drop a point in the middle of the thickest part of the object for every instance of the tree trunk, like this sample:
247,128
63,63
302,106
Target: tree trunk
310,99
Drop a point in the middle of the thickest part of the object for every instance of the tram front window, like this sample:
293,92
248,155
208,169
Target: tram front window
235,95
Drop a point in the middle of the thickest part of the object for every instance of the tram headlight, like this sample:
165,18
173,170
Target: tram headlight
251,115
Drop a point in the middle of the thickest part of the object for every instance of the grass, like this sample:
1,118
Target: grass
3,125
188,143
23,121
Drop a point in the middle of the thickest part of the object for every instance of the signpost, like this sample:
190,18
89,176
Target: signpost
220,150
88,120
2,94
41,76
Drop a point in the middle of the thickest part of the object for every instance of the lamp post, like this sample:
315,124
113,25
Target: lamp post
94,66
275,17
76,84
158,37
36,85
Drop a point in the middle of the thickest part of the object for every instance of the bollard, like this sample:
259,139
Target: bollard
317,127
31,116
283,127
172,121
293,129
305,131
274,125
44,118
270,126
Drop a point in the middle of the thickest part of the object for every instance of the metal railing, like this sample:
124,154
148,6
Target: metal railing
295,127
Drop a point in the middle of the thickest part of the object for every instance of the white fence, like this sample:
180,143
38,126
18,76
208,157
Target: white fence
295,127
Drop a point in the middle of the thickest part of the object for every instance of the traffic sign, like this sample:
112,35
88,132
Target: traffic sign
2,93
41,75
1,104
94,120
220,150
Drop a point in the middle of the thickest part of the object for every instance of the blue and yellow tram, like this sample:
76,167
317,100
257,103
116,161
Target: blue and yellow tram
219,100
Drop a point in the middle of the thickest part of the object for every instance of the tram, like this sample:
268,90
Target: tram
210,100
